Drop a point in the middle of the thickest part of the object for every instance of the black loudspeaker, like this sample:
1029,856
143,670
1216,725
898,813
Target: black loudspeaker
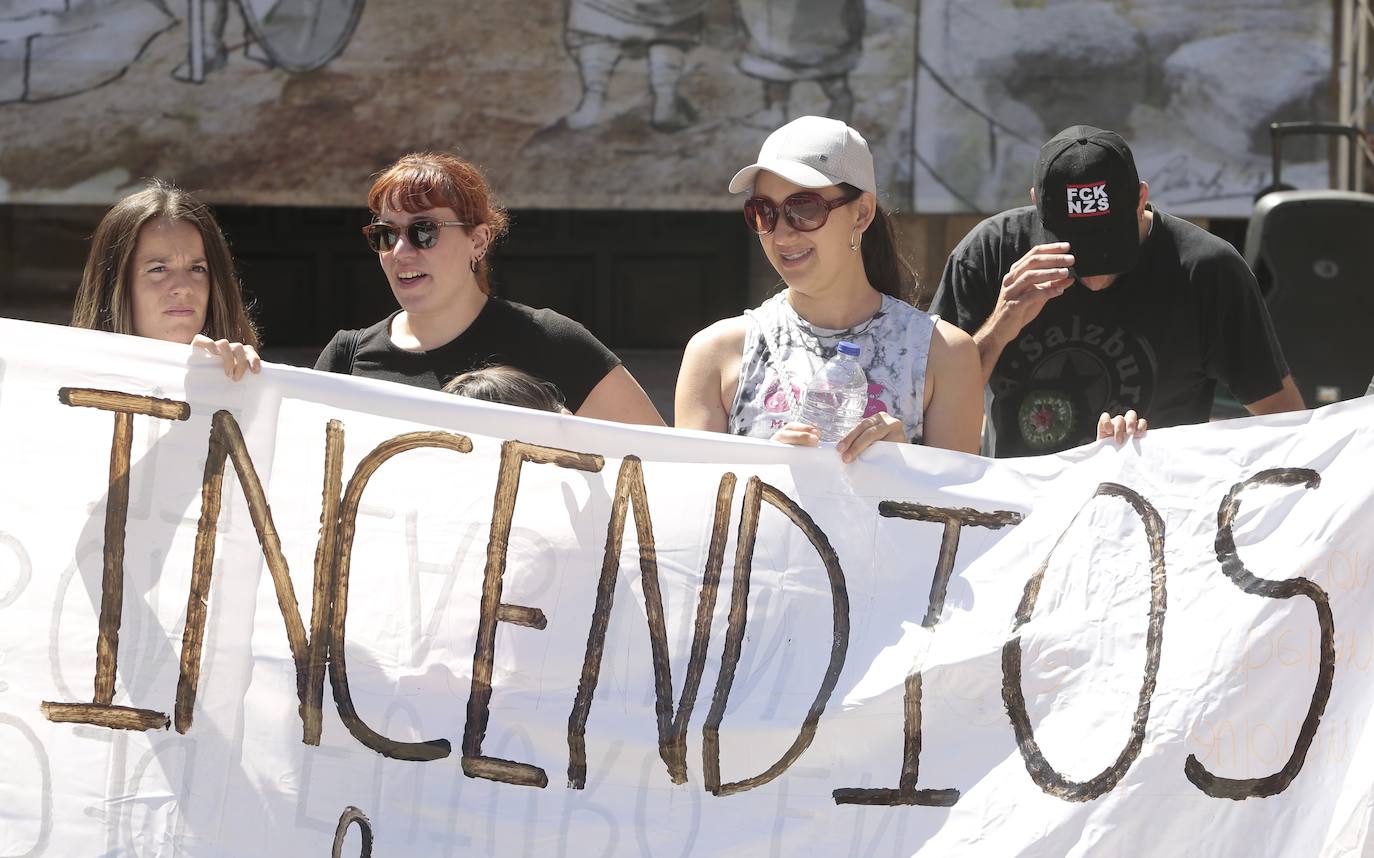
1313,254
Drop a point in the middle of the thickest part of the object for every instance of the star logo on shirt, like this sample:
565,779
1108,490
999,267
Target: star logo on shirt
1046,418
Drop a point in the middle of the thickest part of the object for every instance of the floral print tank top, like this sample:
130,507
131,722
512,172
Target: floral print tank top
781,348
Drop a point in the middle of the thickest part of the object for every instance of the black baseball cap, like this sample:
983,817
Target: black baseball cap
1086,193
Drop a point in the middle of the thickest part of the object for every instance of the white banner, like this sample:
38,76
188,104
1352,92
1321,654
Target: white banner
309,615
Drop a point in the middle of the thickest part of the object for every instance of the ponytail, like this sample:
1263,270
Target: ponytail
886,269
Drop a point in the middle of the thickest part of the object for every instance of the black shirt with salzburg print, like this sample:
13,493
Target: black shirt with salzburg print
1157,340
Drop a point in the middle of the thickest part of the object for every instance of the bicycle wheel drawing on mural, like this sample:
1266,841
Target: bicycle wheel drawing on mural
302,35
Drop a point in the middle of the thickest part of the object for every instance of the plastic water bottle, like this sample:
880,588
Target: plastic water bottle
835,399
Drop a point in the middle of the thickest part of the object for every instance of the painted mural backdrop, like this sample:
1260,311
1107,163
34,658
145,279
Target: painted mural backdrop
1193,86
640,103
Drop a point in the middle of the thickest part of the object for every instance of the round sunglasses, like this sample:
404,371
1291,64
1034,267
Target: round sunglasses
422,234
806,211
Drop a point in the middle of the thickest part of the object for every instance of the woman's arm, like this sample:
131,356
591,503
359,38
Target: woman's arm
619,397
1286,398
709,366
954,391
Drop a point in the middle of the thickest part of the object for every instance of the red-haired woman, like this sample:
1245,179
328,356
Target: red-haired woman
434,222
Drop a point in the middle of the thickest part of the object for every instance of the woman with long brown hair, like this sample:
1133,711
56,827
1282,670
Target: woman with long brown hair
814,207
160,267
434,224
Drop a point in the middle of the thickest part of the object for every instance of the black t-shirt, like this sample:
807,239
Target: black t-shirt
543,343
1157,340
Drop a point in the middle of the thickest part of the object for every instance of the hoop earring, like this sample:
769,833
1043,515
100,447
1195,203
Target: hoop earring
855,237
474,262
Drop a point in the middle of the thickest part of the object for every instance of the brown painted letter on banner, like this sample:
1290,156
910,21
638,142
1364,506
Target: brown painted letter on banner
353,816
631,495
1044,774
100,712
755,493
954,520
1228,556
433,749
308,652
514,454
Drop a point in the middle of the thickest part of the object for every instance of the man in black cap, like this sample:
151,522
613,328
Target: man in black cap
1094,313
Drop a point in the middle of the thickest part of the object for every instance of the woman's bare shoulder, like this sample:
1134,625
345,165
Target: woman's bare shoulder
949,337
719,339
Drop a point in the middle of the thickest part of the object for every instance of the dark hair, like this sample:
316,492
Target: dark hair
508,386
432,180
884,265
104,301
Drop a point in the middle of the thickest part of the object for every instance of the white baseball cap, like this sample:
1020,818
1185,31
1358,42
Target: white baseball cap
813,152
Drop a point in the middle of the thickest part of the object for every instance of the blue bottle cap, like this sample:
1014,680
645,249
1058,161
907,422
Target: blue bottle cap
849,349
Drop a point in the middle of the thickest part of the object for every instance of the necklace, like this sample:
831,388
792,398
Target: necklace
818,334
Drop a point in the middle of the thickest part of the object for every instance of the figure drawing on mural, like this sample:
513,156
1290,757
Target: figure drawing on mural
599,33
51,49
794,41
40,38
1195,85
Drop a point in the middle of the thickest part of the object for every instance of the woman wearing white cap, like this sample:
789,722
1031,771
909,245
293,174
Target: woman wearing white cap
815,209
